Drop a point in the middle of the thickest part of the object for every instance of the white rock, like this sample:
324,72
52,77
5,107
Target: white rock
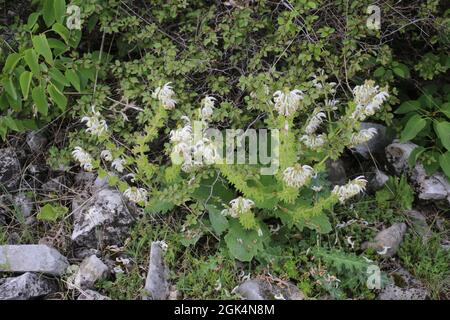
398,154
393,292
156,284
92,295
102,220
33,258
27,286
23,204
91,270
256,289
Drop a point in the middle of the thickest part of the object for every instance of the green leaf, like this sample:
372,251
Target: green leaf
320,223
408,106
51,213
444,161
41,46
48,12
39,98
58,76
9,88
379,72
415,155
32,19
57,96
73,78
59,7
442,130
445,109
402,71
11,62
11,123
218,221
32,59
242,244
25,82
414,125
63,32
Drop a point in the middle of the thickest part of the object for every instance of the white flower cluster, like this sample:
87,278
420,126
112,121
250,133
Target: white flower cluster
190,153
368,99
118,164
207,108
165,95
95,125
106,155
298,175
286,103
315,121
313,141
351,189
136,195
239,206
83,157
362,136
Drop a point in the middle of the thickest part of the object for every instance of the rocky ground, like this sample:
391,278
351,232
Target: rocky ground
69,259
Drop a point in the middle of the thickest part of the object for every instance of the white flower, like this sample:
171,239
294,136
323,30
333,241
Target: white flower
118,164
351,189
83,158
312,141
331,104
362,136
315,121
240,206
136,195
316,188
181,135
206,151
207,108
368,99
286,103
297,176
95,125
165,96
106,155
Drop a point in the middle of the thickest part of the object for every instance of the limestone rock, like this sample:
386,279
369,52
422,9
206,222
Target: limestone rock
9,169
102,220
398,154
257,289
28,285
387,241
91,270
92,295
33,258
156,284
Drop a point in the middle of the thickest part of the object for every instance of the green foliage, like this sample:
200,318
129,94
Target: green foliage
396,191
51,213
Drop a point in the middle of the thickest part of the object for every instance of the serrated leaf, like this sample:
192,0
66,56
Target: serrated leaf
408,106
414,125
39,98
40,44
73,78
25,82
11,62
57,96
442,130
242,244
31,58
444,161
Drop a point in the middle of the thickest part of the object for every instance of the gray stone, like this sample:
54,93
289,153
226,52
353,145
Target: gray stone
27,286
388,240
435,187
393,292
9,169
91,270
92,295
336,172
55,185
33,258
23,204
36,141
375,145
156,284
379,180
104,219
257,289
398,154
